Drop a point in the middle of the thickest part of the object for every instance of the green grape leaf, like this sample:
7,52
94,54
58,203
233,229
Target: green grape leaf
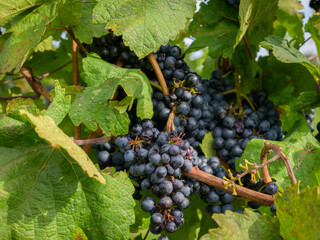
69,14
211,13
15,105
250,225
144,25
48,130
207,145
11,9
295,208
256,18
214,26
46,195
60,105
302,149
290,20
93,106
25,36
45,45
313,27
287,54
306,100
85,30
220,38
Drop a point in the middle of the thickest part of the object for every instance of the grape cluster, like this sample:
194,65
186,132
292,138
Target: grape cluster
112,49
155,160
234,130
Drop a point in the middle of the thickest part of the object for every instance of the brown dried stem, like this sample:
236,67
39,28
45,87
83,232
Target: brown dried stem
211,180
34,84
83,49
279,154
159,74
170,122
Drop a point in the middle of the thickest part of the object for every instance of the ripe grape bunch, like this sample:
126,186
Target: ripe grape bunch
155,160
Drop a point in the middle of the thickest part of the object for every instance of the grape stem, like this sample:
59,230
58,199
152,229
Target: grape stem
268,147
101,140
304,42
75,75
53,71
15,97
158,73
253,170
153,84
34,84
245,40
92,135
242,95
83,49
145,237
214,181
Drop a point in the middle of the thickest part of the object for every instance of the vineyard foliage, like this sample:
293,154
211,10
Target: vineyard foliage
51,187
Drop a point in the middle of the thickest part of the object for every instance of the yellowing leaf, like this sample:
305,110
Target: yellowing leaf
48,130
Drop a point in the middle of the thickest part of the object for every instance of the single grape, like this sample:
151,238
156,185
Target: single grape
212,197
171,227
271,188
178,198
165,203
156,219
148,204
166,187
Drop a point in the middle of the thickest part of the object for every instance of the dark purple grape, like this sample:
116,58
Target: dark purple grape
156,219
148,204
165,203
271,188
